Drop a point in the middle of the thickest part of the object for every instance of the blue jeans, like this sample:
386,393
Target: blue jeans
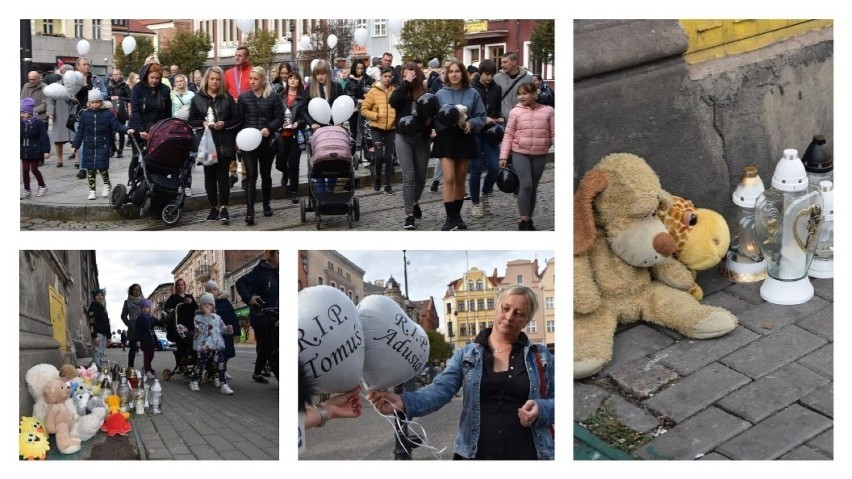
488,153
99,350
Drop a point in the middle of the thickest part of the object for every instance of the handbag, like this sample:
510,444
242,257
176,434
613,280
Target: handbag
207,154
276,147
72,120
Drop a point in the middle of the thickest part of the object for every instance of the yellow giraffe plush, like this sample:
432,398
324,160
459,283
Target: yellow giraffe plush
701,237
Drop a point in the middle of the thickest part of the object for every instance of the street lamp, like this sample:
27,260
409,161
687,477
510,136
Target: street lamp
403,443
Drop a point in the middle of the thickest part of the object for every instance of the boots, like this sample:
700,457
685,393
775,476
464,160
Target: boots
267,210
459,223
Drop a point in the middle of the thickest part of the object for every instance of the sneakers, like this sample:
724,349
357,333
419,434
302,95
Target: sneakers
26,194
188,191
214,214
388,190
485,201
92,194
259,378
409,223
377,185
223,216
233,180
476,210
41,190
225,389
81,174
106,191
149,375
434,187
532,227
227,375
418,213
193,385
267,210
216,381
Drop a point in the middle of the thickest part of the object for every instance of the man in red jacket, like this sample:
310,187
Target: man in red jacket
237,81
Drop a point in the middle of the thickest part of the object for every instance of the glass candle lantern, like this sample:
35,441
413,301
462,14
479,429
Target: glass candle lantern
744,263
823,264
787,220
123,393
818,160
156,399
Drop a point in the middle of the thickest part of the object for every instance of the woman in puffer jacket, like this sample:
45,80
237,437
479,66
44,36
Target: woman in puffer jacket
528,137
377,109
262,109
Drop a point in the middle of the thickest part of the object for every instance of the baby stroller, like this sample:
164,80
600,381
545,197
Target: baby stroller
330,157
186,358
158,177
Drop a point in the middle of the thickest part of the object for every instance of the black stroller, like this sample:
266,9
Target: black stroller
330,160
157,178
186,358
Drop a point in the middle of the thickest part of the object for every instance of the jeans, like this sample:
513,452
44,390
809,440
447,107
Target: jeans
488,154
529,169
383,143
413,154
263,338
99,350
216,183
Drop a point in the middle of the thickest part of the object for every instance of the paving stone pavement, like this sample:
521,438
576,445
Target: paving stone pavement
65,207
764,391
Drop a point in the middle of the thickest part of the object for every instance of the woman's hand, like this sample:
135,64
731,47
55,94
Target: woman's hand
466,127
47,156
219,125
528,413
503,163
97,340
256,301
386,402
315,126
229,329
138,344
264,132
144,135
489,121
130,131
409,76
345,405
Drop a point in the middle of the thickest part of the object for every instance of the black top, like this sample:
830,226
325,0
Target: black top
180,310
501,435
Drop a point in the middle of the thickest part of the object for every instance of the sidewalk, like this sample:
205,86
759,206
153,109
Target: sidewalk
764,391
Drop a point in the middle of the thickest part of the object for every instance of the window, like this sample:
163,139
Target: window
357,299
119,22
495,52
480,304
449,308
333,284
350,295
379,27
548,303
470,285
551,326
470,55
348,277
535,66
490,303
481,325
320,281
331,265
78,28
460,306
479,285
361,23
96,29
470,304
462,330
531,328
47,27
343,290
520,279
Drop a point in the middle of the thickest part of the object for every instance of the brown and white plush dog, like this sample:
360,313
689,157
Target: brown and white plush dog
623,265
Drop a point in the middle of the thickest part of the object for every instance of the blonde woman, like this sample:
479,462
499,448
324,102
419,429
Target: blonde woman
321,86
262,109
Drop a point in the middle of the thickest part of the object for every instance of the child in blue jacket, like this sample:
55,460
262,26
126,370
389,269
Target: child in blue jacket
35,147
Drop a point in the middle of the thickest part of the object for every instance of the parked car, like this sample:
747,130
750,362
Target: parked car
162,342
114,341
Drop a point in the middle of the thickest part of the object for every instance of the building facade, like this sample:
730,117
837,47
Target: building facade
54,289
526,272
493,38
469,305
428,318
330,268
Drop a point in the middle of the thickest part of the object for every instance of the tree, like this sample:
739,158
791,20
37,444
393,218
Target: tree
261,47
427,39
542,43
345,33
439,348
134,61
186,50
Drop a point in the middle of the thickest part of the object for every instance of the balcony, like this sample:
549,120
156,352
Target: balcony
203,273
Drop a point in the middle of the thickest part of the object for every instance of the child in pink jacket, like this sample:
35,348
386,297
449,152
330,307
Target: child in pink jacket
528,137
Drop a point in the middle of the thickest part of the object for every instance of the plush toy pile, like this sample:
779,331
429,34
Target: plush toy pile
624,268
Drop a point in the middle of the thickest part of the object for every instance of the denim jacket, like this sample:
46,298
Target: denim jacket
465,369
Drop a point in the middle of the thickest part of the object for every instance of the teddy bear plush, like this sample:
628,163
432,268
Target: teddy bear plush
37,378
623,265
60,419
701,237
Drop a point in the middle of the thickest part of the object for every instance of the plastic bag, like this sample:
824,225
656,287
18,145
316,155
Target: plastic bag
207,154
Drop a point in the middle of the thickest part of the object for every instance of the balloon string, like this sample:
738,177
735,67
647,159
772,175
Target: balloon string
415,428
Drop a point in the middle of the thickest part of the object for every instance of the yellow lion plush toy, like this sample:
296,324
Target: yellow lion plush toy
701,237
113,404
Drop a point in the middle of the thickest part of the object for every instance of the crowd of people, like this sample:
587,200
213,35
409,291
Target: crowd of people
97,118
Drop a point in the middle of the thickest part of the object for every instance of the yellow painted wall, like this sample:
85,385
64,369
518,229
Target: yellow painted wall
58,317
718,38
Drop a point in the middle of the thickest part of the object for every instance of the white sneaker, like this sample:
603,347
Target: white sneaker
216,382
149,375
92,194
484,201
476,210
227,375
188,192
26,194
41,191
225,389
106,191
193,385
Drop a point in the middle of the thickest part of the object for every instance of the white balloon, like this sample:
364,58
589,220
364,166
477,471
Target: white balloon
83,47
342,109
245,25
331,339
395,25
320,111
361,36
305,42
73,81
249,139
56,91
331,41
128,45
397,348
